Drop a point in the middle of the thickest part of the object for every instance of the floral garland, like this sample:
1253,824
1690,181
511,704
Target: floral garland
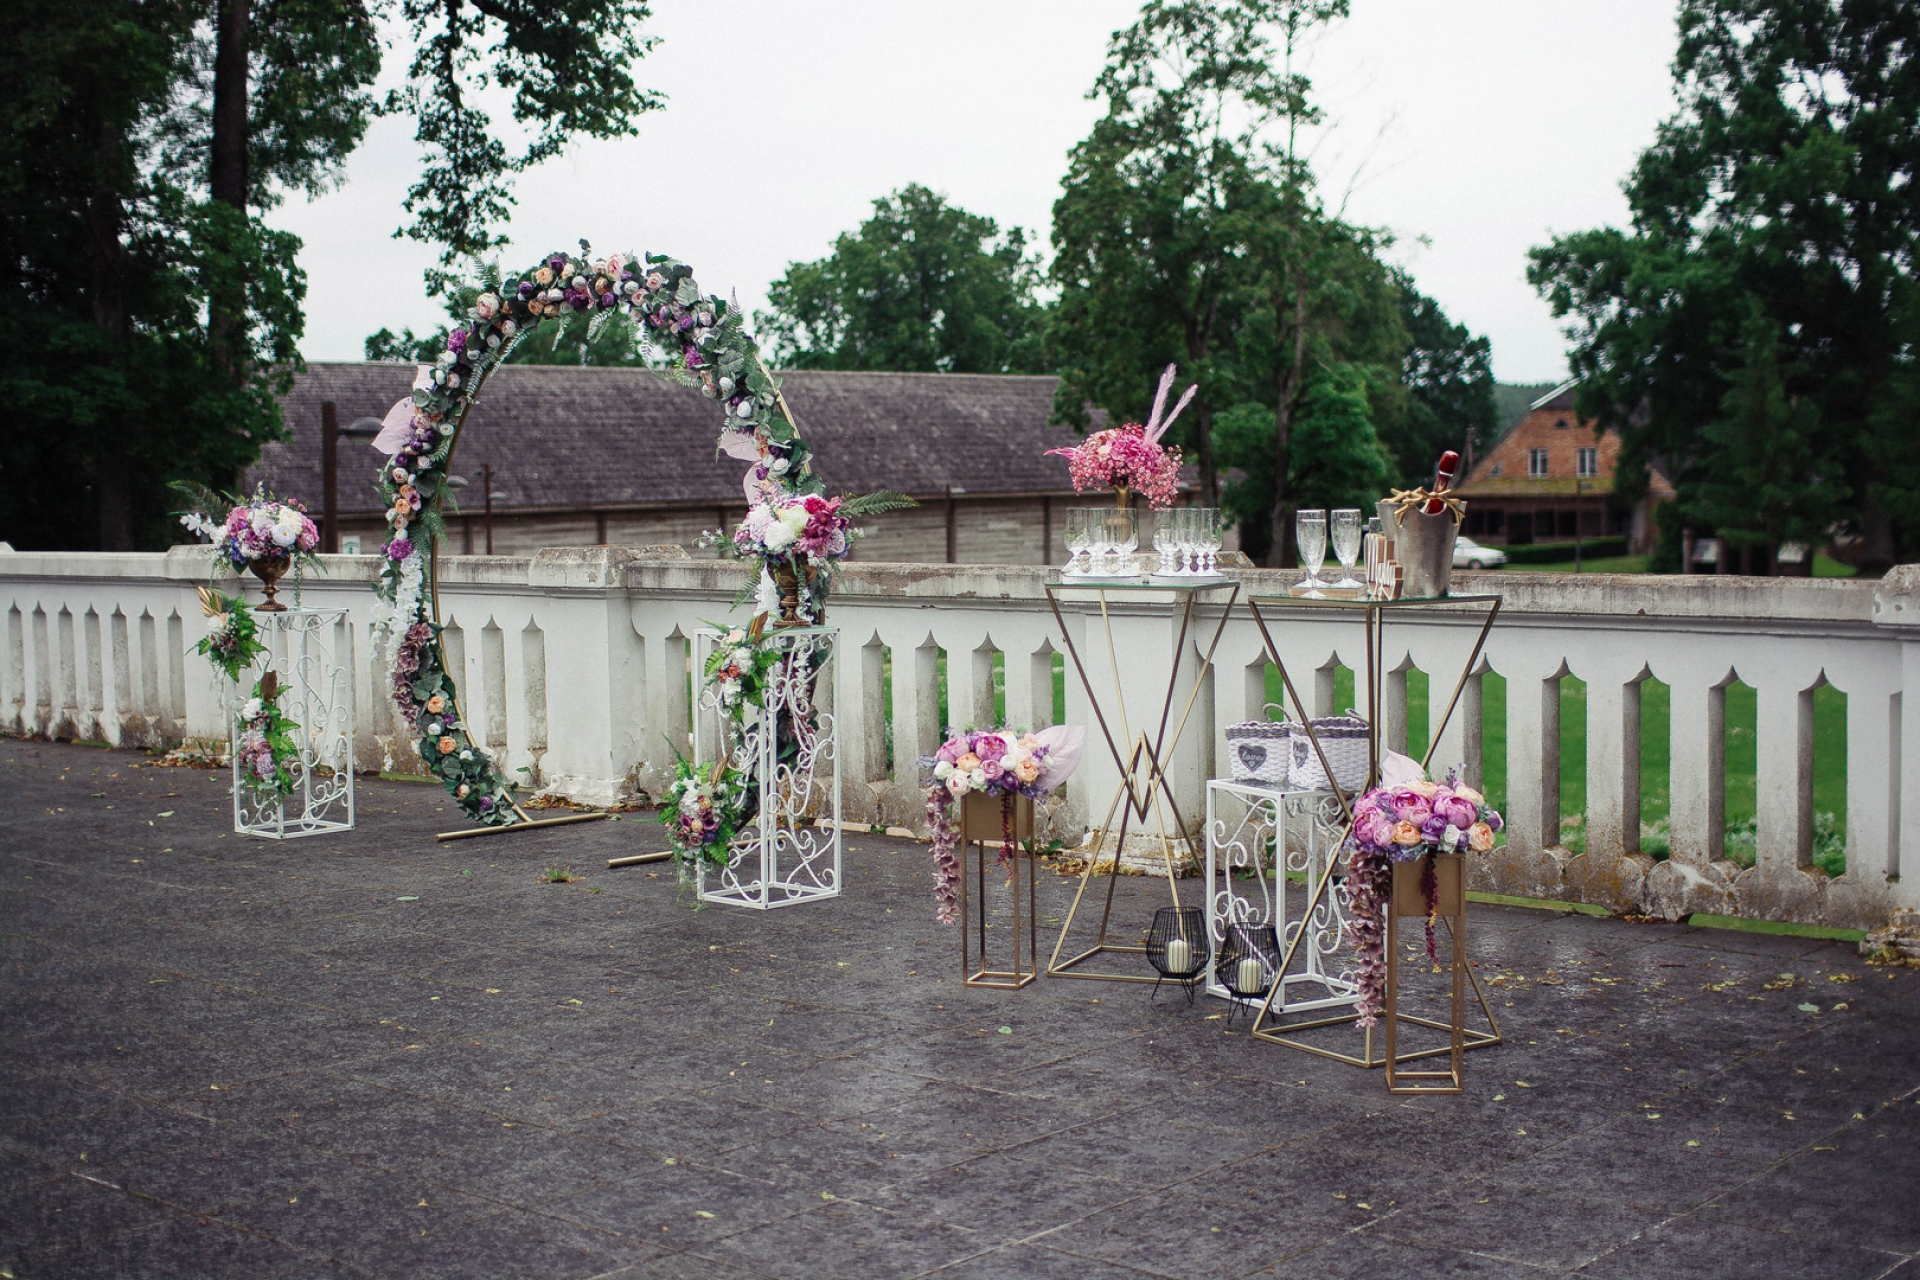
1400,823
232,639
702,811
1131,456
703,342
998,762
266,752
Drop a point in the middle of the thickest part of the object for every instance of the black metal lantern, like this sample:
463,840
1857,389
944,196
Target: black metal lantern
1178,947
1248,962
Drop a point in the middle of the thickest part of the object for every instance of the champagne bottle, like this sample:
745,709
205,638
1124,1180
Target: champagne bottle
1442,479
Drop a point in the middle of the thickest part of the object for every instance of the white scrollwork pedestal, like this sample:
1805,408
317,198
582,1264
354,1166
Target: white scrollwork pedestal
311,650
789,749
1260,842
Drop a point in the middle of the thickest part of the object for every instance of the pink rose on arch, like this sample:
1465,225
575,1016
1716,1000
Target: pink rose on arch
1415,810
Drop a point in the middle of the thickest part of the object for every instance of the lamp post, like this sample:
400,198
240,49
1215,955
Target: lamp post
488,495
330,433
1579,509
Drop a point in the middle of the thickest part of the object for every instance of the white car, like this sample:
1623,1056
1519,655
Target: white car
1468,554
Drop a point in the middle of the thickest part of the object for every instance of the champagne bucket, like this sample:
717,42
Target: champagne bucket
1422,547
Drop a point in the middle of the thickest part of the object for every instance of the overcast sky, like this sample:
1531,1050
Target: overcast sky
1473,129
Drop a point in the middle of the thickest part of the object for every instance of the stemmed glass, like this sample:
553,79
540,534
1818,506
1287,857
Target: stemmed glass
1123,539
1097,543
1208,536
1079,539
1165,543
1347,531
1310,531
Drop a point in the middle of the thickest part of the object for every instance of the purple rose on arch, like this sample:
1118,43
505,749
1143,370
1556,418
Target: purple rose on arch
399,549
457,340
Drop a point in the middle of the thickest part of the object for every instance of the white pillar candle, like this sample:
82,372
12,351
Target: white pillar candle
1179,956
1247,976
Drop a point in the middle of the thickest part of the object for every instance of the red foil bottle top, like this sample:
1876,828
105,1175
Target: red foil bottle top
1442,479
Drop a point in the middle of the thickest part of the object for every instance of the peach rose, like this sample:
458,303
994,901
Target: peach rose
1470,795
1479,837
436,704
967,763
447,745
1027,770
1406,833
1426,789
543,276
460,792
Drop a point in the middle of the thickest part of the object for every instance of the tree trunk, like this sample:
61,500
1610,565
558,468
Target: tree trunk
1288,379
227,180
112,480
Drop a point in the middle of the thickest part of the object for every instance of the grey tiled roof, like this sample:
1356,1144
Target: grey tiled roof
568,438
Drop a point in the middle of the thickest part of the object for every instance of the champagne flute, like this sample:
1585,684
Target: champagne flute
1079,539
1347,531
1310,531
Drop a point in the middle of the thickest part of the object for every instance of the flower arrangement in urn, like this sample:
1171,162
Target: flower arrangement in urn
1131,457
1402,821
994,762
265,535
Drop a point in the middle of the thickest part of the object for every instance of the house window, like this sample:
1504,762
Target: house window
1536,463
1589,466
1496,471
1560,424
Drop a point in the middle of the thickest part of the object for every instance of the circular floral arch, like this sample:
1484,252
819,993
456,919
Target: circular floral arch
704,343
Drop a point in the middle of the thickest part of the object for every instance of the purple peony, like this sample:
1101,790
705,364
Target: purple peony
457,340
1456,810
399,549
1493,821
486,804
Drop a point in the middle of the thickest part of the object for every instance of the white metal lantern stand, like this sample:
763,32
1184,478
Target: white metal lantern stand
789,749
1259,840
311,649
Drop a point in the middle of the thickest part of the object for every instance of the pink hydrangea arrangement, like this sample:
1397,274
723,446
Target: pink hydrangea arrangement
993,762
1402,822
1131,456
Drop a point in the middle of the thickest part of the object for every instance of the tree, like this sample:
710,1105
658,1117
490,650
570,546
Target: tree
1336,460
1448,376
112,260
1146,247
1771,251
922,286
150,315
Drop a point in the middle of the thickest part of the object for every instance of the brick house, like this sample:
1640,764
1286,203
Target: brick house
1551,479
586,455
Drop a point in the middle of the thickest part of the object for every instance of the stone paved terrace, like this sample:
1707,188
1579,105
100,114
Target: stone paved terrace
372,1055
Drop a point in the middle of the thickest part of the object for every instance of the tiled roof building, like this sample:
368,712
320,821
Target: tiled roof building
1551,477
584,455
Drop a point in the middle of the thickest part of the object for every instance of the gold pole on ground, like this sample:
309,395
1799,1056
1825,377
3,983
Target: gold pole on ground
638,859
523,826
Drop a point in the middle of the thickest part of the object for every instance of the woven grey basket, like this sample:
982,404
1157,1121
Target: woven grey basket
1258,752
1343,739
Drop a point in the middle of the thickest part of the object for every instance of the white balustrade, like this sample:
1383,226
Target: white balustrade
574,666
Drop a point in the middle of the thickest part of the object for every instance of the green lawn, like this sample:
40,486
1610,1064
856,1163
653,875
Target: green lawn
1829,760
